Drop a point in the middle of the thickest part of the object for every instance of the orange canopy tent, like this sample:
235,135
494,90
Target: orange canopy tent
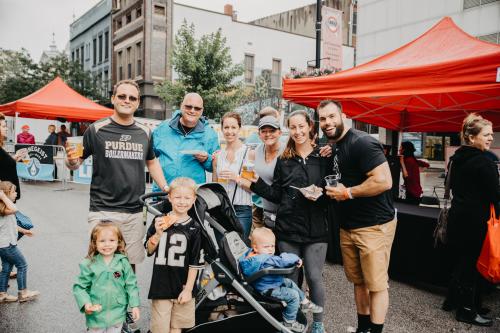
427,85
56,100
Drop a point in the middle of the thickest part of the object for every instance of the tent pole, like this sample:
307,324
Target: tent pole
15,126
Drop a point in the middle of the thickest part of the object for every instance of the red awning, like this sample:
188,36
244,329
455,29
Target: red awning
427,85
56,100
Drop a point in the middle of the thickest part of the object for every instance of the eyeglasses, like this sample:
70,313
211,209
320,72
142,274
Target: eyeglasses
190,107
123,97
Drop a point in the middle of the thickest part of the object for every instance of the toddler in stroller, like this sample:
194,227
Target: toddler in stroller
250,311
261,256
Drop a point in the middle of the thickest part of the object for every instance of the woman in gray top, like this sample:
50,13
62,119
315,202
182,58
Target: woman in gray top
266,155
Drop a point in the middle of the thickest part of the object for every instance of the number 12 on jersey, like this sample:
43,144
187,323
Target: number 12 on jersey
176,251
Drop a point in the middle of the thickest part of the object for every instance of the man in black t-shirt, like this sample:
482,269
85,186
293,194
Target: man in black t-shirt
366,212
121,148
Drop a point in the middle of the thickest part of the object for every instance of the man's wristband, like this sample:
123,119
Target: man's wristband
347,193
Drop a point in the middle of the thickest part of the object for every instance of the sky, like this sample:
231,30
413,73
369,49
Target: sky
30,24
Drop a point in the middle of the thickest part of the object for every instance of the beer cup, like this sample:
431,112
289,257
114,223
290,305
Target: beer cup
247,171
76,144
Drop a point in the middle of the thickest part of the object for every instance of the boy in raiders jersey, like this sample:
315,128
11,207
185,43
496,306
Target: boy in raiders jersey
175,240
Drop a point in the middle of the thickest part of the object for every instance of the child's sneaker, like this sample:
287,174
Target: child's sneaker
294,326
27,295
6,298
311,307
317,327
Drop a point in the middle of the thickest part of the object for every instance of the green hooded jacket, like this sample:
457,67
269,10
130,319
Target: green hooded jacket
113,286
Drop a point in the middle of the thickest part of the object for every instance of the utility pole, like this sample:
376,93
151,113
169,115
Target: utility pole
318,58
318,33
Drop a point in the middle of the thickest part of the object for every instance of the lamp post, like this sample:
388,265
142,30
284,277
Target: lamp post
318,32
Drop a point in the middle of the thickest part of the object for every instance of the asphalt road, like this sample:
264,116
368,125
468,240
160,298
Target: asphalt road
61,242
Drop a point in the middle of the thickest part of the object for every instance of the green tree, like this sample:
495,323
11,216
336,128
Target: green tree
73,74
20,76
203,66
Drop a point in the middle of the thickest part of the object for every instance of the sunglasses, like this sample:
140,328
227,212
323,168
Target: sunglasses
123,97
190,107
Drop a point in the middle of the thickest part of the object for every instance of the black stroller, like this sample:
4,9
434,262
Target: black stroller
225,300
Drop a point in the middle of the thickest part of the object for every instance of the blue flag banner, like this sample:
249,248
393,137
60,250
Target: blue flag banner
83,174
38,164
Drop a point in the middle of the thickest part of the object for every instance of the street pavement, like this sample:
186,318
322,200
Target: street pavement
61,240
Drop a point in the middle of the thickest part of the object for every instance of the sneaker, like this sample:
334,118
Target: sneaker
311,307
317,327
27,295
6,298
294,326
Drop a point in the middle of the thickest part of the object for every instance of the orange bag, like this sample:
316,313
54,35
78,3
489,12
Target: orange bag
488,263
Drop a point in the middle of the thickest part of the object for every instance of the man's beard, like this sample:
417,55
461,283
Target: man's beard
339,129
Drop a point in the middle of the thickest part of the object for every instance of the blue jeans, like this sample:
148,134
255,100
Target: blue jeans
291,294
11,256
244,215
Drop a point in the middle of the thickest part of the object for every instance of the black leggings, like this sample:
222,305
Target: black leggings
313,255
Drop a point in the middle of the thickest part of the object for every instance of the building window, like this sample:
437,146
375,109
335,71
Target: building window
129,62
138,54
88,52
100,48
73,56
120,66
159,10
491,38
105,85
118,23
78,55
276,74
106,45
94,52
249,70
475,3
128,18
138,12
81,55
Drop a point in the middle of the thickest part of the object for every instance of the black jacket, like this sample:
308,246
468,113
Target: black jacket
298,219
8,171
474,186
51,139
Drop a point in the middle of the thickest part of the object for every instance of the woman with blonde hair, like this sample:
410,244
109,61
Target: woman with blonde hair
227,166
474,186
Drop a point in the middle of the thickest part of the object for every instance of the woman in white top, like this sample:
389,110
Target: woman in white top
227,166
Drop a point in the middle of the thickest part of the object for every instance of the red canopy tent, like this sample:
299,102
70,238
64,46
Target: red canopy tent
427,85
56,100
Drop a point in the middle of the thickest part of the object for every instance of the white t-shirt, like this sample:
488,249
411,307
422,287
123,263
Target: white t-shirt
242,197
8,230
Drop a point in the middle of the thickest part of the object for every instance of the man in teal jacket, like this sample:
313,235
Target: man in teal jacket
185,143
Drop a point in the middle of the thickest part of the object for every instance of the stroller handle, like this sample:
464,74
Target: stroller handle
271,271
143,199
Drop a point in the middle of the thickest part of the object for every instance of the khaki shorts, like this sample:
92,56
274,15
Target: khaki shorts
133,230
366,253
168,313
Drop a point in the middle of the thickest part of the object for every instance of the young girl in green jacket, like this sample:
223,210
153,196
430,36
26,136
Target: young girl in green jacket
106,285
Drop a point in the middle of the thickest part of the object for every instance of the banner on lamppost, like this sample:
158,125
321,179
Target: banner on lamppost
331,34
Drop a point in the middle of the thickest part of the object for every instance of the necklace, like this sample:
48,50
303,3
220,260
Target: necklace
270,154
184,130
